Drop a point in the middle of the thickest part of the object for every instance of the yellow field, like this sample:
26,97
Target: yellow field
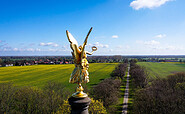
39,75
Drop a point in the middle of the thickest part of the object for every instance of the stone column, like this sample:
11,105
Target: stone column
79,105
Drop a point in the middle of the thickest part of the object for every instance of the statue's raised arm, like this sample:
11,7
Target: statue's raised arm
85,43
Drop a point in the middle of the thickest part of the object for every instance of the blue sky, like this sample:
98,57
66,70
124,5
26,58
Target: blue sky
120,27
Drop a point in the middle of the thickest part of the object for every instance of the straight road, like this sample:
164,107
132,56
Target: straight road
125,101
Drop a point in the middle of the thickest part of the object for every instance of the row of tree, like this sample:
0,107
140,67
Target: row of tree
108,90
119,71
162,95
31,100
138,75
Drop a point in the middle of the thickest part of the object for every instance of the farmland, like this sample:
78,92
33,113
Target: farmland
39,75
166,92
162,69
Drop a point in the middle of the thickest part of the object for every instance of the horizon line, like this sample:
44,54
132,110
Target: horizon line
91,55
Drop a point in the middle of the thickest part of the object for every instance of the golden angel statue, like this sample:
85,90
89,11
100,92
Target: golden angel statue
80,73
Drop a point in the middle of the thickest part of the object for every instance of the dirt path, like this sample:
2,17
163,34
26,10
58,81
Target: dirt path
125,100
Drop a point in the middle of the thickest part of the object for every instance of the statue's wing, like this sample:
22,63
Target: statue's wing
85,42
71,39
74,44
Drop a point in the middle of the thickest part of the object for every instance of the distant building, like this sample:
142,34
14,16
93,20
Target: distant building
7,65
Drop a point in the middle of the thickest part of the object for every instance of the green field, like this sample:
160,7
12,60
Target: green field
162,69
39,75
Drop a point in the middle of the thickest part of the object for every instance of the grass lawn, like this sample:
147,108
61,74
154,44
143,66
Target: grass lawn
162,69
39,75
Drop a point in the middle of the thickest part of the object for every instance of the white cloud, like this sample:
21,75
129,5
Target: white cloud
30,49
65,48
37,49
15,49
10,49
155,47
169,48
115,36
55,45
3,44
31,44
53,50
49,44
152,42
111,50
119,46
105,46
127,47
57,50
160,36
6,48
101,45
21,49
138,4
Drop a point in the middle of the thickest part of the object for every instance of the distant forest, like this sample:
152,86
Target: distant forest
34,60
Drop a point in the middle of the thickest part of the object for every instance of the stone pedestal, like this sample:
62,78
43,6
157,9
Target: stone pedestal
79,105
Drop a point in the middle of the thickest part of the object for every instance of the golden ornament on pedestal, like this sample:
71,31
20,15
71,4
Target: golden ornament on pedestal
80,74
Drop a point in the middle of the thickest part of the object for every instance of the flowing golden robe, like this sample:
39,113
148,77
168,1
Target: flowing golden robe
80,73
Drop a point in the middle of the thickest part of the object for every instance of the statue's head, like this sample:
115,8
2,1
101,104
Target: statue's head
80,47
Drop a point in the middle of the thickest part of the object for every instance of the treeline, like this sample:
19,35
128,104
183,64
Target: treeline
138,75
52,99
161,96
29,100
32,60
108,90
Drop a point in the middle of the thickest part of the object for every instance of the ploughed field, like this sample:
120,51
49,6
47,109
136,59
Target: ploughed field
162,69
39,75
